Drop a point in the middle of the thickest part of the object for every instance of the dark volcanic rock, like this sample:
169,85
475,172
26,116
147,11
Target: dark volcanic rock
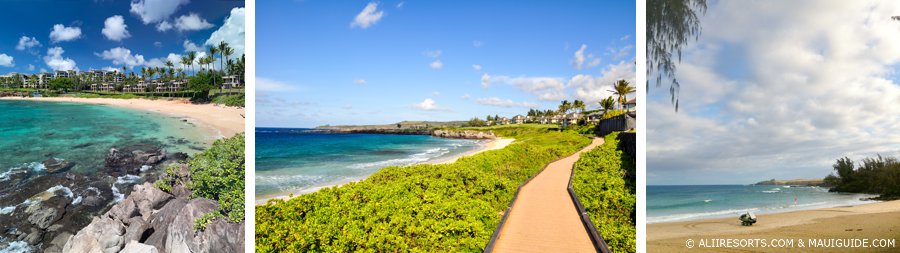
130,162
181,232
220,236
148,198
161,222
54,165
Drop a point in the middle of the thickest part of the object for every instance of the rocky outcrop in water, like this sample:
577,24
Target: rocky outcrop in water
151,220
131,161
463,134
44,205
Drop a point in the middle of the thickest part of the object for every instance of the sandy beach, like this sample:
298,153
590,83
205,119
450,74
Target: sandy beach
220,120
854,224
492,144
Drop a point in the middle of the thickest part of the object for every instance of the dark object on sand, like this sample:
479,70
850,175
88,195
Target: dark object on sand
747,219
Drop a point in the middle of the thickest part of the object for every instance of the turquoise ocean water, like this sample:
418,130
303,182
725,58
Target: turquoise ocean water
692,202
32,131
299,161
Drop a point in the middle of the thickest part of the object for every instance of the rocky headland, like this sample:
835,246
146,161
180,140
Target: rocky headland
46,207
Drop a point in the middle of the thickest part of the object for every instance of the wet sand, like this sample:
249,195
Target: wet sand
851,224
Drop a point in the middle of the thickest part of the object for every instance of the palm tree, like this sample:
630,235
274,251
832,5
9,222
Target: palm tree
169,65
564,107
212,54
192,56
607,103
622,88
225,51
186,61
578,104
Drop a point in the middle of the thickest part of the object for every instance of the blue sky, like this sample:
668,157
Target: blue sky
48,35
363,62
779,89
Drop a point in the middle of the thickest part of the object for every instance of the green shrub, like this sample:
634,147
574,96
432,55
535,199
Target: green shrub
206,219
609,199
612,114
236,100
423,208
218,174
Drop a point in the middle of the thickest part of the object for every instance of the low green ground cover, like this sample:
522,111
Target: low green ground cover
421,208
600,183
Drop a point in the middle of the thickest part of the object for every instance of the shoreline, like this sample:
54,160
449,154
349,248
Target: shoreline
491,144
220,121
871,220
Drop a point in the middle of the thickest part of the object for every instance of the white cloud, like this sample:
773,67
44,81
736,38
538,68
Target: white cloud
579,57
161,62
157,44
477,43
593,89
56,61
436,64
476,67
266,84
191,22
360,81
627,36
806,83
400,5
26,42
466,96
152,11
368,16
232,32
114,28
433,54
435,93
618,54
495,101
544,88
485,81
62,33
190,46
122,56
163,26
427,105
6,61
30,67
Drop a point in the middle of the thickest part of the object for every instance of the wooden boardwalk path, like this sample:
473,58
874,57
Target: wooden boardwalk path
544,218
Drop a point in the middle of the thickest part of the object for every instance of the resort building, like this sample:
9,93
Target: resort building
519,119
231,82
594,117
503,121
630,104
571,119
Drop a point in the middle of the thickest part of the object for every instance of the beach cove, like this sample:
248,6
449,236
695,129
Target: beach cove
69,159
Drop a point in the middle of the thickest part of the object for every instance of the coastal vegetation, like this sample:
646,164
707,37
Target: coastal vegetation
872,175
216,174
147,82
442,207
602,183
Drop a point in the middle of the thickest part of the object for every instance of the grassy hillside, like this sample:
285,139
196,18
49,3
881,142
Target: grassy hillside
423,208
609,199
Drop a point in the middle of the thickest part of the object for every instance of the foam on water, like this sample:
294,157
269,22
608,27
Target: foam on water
17,247
682,203
299,160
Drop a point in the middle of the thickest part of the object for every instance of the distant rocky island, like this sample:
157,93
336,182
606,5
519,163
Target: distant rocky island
793,182
433,128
